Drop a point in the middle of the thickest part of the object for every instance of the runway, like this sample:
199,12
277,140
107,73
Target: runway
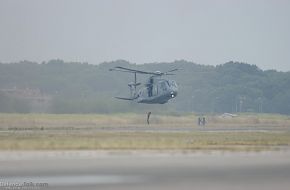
123,170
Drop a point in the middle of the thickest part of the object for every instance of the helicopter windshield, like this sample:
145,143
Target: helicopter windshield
172,83
164,85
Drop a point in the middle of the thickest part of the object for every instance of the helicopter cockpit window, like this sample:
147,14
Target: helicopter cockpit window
163,86
155,90
173,83
168,83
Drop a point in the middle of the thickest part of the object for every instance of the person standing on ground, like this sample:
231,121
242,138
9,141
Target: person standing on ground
148,117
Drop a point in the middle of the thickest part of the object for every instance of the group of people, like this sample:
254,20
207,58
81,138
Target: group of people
201,121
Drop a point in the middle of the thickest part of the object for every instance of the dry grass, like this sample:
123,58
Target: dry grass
144,140
98,120
59,132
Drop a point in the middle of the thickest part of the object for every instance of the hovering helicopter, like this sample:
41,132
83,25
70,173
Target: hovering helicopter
156,90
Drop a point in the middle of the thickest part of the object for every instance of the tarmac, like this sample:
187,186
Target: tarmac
125,170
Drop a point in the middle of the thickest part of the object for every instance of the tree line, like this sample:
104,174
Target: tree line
71,87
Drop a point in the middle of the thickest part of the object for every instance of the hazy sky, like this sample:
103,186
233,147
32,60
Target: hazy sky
141,31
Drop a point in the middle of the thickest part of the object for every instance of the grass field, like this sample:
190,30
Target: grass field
88,132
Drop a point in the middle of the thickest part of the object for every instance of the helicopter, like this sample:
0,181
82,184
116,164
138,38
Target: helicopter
156,90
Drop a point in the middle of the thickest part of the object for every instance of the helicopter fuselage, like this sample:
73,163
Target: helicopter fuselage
158,91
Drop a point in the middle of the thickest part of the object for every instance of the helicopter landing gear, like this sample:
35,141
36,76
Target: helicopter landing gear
148,117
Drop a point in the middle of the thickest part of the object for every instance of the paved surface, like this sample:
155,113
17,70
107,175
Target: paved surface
88,170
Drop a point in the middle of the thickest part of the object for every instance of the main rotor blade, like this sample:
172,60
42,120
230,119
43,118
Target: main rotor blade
132,70
172,70
157,73
125,71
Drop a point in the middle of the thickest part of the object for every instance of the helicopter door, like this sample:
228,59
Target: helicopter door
145,92
155,90
163,86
